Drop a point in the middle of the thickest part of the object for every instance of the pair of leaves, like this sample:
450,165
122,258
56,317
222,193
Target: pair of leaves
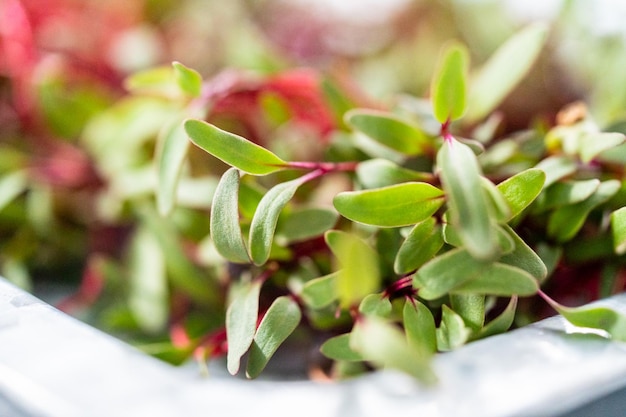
225,226
280,320
457,271
491,84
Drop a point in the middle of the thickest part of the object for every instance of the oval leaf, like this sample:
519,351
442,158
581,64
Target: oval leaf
12,185
320,292
446,272
338,348
225,227
593,317
618,229
189,80
302,224
148,298
419,326
468,204
504,70
378,172
170,156
375,305
471,308
448,87
265,219
502,280
241,319
233,149
556,167
452,332
396,205
388,130
359,273
422,243
521,189
280,320
563,193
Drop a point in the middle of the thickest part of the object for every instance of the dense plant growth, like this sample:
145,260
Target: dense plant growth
288,207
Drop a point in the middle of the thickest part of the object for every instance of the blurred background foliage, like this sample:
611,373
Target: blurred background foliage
78,131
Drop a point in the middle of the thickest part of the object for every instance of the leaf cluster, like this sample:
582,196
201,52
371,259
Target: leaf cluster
438,237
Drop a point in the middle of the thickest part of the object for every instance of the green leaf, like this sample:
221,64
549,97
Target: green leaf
565,222
471,308
618,229
384,345
375,305
468,204
389,130
225,227
452,332
593,145
499,205
148,298
504,70
153,81
501,323
11,186
265,218
564,193
396,205
419,326
502,280
320,292
359,273
592,317
445,272
170,156
189,80
378,172
338,348
233,149
448,87
422,243
241,319
183,273
556,168
280,320
524,257
522,189
305,223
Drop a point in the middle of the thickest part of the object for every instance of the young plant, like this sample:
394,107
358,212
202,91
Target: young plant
439,236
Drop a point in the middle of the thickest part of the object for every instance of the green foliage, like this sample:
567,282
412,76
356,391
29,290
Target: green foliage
431,231
390,231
